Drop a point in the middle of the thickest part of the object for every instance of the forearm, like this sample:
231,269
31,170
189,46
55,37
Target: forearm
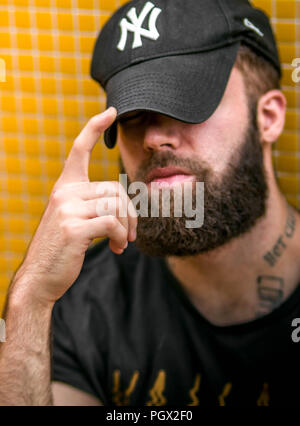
71,221
25,357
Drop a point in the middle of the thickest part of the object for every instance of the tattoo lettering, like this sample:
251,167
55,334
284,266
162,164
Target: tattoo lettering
270,293
272,256
290,225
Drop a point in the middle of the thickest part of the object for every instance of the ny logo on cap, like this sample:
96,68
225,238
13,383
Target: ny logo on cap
135,26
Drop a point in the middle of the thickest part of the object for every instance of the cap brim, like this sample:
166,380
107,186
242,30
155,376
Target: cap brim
188,88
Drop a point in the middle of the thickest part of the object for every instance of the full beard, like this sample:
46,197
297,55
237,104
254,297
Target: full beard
232,203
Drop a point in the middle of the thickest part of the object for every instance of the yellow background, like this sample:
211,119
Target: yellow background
48,96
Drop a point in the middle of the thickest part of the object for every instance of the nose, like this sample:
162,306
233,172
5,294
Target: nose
161,133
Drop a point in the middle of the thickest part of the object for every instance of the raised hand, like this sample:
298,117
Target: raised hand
78,211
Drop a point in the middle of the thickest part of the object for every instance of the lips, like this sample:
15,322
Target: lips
168,175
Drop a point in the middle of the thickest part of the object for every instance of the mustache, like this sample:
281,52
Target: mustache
168,159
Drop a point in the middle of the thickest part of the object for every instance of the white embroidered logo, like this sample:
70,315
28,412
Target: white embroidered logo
136,26
249,24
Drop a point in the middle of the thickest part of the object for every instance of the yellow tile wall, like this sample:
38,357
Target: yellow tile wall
48,96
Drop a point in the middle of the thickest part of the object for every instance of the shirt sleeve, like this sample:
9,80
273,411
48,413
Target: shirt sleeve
67,366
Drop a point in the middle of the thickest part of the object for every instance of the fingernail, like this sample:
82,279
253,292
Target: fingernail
126,245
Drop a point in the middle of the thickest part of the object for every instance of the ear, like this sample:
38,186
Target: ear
271,111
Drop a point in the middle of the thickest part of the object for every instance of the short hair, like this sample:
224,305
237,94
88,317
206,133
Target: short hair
259,75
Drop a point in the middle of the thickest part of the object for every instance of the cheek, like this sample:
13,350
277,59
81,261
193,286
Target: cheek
224,132
213,143
219,138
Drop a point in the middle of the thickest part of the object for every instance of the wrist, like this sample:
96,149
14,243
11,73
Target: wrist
24,292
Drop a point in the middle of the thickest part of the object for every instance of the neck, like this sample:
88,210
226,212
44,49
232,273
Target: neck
249,276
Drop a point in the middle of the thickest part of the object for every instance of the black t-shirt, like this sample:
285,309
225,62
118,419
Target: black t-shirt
126,333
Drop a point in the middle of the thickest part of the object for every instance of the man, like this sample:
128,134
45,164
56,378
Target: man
180,315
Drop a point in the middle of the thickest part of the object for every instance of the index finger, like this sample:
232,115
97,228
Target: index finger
76,167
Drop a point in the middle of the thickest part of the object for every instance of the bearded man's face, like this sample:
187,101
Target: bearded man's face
235,187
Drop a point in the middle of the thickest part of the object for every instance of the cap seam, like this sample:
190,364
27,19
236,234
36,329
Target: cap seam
175,53
225,15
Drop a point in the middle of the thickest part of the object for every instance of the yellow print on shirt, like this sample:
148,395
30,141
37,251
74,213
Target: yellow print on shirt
119,397
194,390
264,398
122,397
156,393
224,394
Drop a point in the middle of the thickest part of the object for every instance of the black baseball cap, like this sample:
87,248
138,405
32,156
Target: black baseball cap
175,57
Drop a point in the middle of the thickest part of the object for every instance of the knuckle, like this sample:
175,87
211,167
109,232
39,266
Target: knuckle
76,148
64,210
115,230
102,188
124,234
94,123
57,196
105,207
71,229
111,223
